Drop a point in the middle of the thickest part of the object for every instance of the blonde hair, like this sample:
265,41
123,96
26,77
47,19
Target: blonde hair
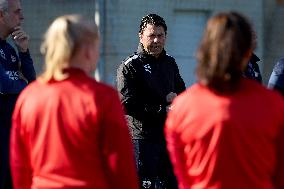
62,40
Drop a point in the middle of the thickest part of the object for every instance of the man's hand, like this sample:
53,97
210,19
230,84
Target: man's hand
21,76
21,39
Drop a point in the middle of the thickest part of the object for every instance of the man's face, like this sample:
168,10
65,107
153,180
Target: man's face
14,16
153,39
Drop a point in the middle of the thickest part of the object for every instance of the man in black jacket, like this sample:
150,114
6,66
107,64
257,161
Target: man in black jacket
148,81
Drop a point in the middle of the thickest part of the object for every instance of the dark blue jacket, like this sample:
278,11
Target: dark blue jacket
15,73
12,66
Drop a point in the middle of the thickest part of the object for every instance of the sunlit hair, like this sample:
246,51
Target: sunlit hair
152,19
62,40
227,40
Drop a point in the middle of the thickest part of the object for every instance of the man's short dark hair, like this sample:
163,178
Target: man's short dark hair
152,19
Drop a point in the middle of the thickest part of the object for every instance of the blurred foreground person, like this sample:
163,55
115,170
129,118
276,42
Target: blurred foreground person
226,131
68,130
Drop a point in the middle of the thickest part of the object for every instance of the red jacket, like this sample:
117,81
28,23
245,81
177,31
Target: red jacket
71,134
227,142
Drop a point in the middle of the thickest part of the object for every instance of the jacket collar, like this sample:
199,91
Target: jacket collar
254,58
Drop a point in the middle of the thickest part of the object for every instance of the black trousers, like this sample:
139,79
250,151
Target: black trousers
153,165
7,104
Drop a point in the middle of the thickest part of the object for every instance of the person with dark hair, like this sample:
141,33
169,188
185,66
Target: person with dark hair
69,131
148,81
276,80
16,72
226,131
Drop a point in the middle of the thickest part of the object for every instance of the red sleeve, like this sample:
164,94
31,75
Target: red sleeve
279,178
117,147
176,150
19,159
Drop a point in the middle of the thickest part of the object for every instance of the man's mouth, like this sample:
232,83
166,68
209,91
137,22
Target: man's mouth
156,47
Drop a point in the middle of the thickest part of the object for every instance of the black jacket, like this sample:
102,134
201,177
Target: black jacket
252,71
143,82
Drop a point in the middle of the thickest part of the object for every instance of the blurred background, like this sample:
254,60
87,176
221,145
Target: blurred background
119,24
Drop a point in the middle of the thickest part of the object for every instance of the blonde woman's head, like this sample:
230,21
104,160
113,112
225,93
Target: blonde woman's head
63,43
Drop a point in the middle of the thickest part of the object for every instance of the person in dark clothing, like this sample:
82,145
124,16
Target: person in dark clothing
16,71
252,71
276,80
148,81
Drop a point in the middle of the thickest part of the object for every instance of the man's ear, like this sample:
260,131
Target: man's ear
2,13
140,37
88,51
